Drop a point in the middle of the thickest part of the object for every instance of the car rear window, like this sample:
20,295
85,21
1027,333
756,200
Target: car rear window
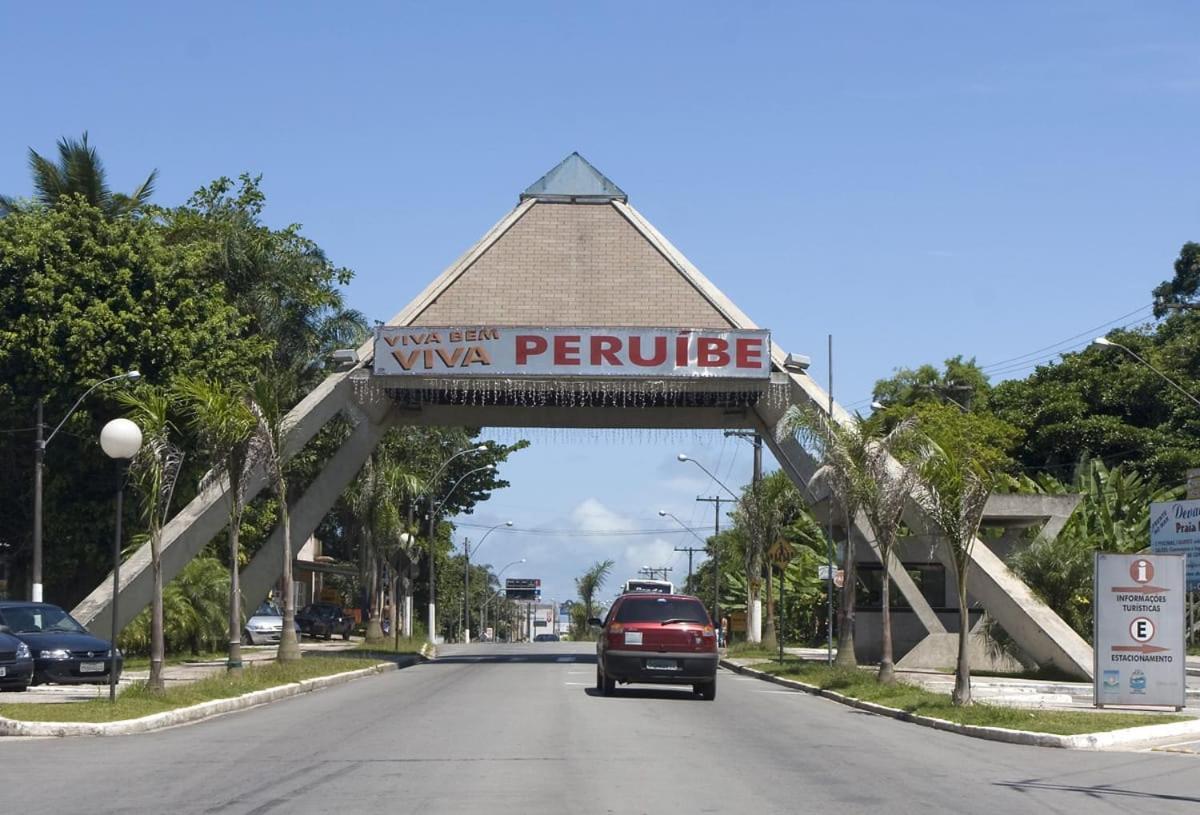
660,609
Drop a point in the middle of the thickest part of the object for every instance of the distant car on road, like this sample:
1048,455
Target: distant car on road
64,652
546,638
324,620
658,638
265,627
16,662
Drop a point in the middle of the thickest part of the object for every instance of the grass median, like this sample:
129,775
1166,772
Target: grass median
862,685
137,700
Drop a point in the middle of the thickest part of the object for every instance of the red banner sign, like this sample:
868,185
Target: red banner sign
589,352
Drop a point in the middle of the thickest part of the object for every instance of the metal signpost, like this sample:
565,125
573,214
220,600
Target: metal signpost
1139,639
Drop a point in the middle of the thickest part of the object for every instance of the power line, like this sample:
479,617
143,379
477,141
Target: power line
1088,333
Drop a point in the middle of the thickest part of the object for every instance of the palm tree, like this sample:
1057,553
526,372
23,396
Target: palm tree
272,392
226,428
155,470
79,171
590,582
955,490
765,509
889,487
843,449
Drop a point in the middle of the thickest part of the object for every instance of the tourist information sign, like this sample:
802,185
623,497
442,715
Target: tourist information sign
1139,630
1175,530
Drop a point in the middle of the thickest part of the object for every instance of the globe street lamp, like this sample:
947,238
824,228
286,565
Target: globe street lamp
433,511
467,552
39,447
120,439
488,602
1105,341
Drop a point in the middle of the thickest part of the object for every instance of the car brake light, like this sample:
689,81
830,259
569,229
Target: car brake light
616,628
708,632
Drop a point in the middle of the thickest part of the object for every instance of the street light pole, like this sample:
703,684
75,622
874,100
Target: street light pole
467,551
429,500
496,593
689,549
716,539
433,511
1105,341
39,458
120,439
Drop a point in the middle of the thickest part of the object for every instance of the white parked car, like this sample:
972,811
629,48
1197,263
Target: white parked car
265,627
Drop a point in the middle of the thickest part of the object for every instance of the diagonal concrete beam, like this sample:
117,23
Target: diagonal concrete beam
1031,623
264,571
186,534
800,466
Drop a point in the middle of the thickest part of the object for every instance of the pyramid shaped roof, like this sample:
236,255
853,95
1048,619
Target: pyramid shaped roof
574,180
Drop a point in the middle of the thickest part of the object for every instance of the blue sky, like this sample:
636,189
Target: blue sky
917,179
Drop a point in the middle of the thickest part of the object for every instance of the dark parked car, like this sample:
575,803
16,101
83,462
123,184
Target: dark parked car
64,652
16,662
324,620
659,638
546,638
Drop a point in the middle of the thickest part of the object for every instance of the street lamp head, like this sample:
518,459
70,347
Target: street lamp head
121,439
877,405
522,560
682,457
508,523
1102,341
662,513
483,448
134,375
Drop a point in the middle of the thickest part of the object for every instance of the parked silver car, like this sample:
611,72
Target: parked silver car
265,627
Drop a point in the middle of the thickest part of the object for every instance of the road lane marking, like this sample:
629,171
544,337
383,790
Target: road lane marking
565,659
585,684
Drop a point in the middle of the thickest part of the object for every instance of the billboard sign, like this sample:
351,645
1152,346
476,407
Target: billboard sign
1175,530
461,351
1139,630
522,588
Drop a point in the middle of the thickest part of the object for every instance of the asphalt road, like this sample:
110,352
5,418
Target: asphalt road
499,729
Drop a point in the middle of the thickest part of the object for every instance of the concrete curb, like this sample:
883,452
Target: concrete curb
193,713
1081,741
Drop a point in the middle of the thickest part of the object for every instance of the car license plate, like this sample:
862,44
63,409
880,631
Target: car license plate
91,667
662,664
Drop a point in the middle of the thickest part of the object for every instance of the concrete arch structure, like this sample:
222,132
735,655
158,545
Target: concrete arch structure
573,252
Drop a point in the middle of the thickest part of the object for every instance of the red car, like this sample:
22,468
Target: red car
664,639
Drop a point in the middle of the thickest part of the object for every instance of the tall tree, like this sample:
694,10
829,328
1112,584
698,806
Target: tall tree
272,394
843,450
955,491
79,171
226,429
155,470
961,382
888,488
765,510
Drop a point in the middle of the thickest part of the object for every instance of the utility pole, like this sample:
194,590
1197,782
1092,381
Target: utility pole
652,572
716,502
690,550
